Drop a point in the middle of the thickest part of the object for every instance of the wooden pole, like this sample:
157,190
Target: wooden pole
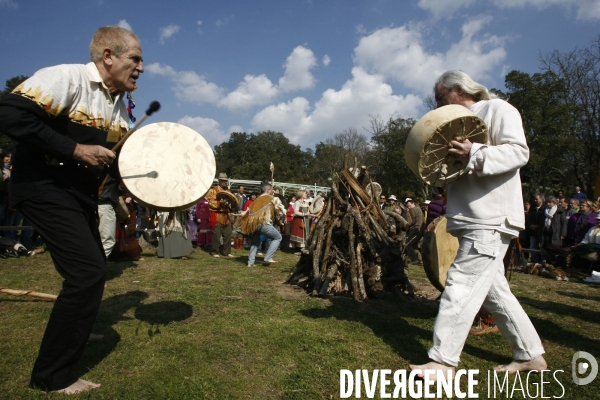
15,292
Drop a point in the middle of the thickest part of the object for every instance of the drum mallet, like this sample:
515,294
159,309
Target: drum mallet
154,106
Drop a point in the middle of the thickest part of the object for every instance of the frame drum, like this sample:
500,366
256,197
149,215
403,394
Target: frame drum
167,166
427,144
438,250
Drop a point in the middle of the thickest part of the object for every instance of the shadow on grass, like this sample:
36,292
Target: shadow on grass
579,296
114,269
162,313
549,330
111,312
391,322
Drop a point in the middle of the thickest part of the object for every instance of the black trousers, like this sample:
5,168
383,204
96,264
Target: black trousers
76,249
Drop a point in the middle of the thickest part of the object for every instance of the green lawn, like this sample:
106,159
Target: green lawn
213,328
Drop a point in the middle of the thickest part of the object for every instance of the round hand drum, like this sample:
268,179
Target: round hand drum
427,144
167,166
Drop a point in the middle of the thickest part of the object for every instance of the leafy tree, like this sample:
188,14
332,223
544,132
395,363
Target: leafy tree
579,71
346,149
248,156
386,160
541,99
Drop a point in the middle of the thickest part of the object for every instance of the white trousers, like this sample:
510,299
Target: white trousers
107,227
476,278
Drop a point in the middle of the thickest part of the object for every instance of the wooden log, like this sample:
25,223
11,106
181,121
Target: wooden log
16,292
332,271
359,265
400,221
364,231
353,271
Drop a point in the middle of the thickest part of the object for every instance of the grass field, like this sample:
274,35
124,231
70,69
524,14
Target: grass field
208,328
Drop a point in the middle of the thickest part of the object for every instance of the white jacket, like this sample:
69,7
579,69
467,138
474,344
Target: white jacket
490,194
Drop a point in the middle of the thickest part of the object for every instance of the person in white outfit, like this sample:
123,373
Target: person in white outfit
484,211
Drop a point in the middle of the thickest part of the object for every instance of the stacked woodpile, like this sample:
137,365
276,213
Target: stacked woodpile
355,248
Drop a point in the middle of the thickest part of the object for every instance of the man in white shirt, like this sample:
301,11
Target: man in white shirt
484,211
64,119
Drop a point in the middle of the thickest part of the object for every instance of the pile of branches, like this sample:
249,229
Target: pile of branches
355,248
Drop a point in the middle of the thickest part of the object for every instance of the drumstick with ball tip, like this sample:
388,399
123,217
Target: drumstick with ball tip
154,106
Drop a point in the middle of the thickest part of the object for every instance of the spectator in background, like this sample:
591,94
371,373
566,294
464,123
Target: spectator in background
524,234
436,208
536,229
555,226
580,223
579,195
382,203
391,203
414,232
204,235
6,171
289,216
249,201
242,198
571,206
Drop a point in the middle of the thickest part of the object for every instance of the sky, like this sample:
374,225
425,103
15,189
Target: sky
306,68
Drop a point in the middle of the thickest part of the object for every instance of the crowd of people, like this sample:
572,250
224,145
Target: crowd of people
557,225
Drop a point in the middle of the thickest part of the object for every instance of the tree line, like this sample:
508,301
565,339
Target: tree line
560,106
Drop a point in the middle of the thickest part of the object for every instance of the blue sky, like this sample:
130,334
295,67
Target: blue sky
308,69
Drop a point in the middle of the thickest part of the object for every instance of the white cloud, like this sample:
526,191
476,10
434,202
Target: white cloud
254,90
9,3
586,9
224,21
399,53
207,127
125,25
168,31
361,30
199,23
297,70
364,94
189,86
326,60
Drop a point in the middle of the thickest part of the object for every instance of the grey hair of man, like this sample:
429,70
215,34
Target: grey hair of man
110,37
265,187
459,79
540,195
574,201
551,199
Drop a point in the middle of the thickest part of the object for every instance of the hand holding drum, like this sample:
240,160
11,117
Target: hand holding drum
438,146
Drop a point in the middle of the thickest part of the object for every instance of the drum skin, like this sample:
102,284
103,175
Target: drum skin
427,144
439,249
167,166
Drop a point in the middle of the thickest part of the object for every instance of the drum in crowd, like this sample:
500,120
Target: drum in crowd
316,205
439,249
167,166
427,144
374,190
229,202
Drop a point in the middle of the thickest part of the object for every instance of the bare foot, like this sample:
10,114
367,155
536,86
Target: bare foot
537,364
432,365
79,386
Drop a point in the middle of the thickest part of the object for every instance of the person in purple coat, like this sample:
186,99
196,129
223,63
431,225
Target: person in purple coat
436,208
